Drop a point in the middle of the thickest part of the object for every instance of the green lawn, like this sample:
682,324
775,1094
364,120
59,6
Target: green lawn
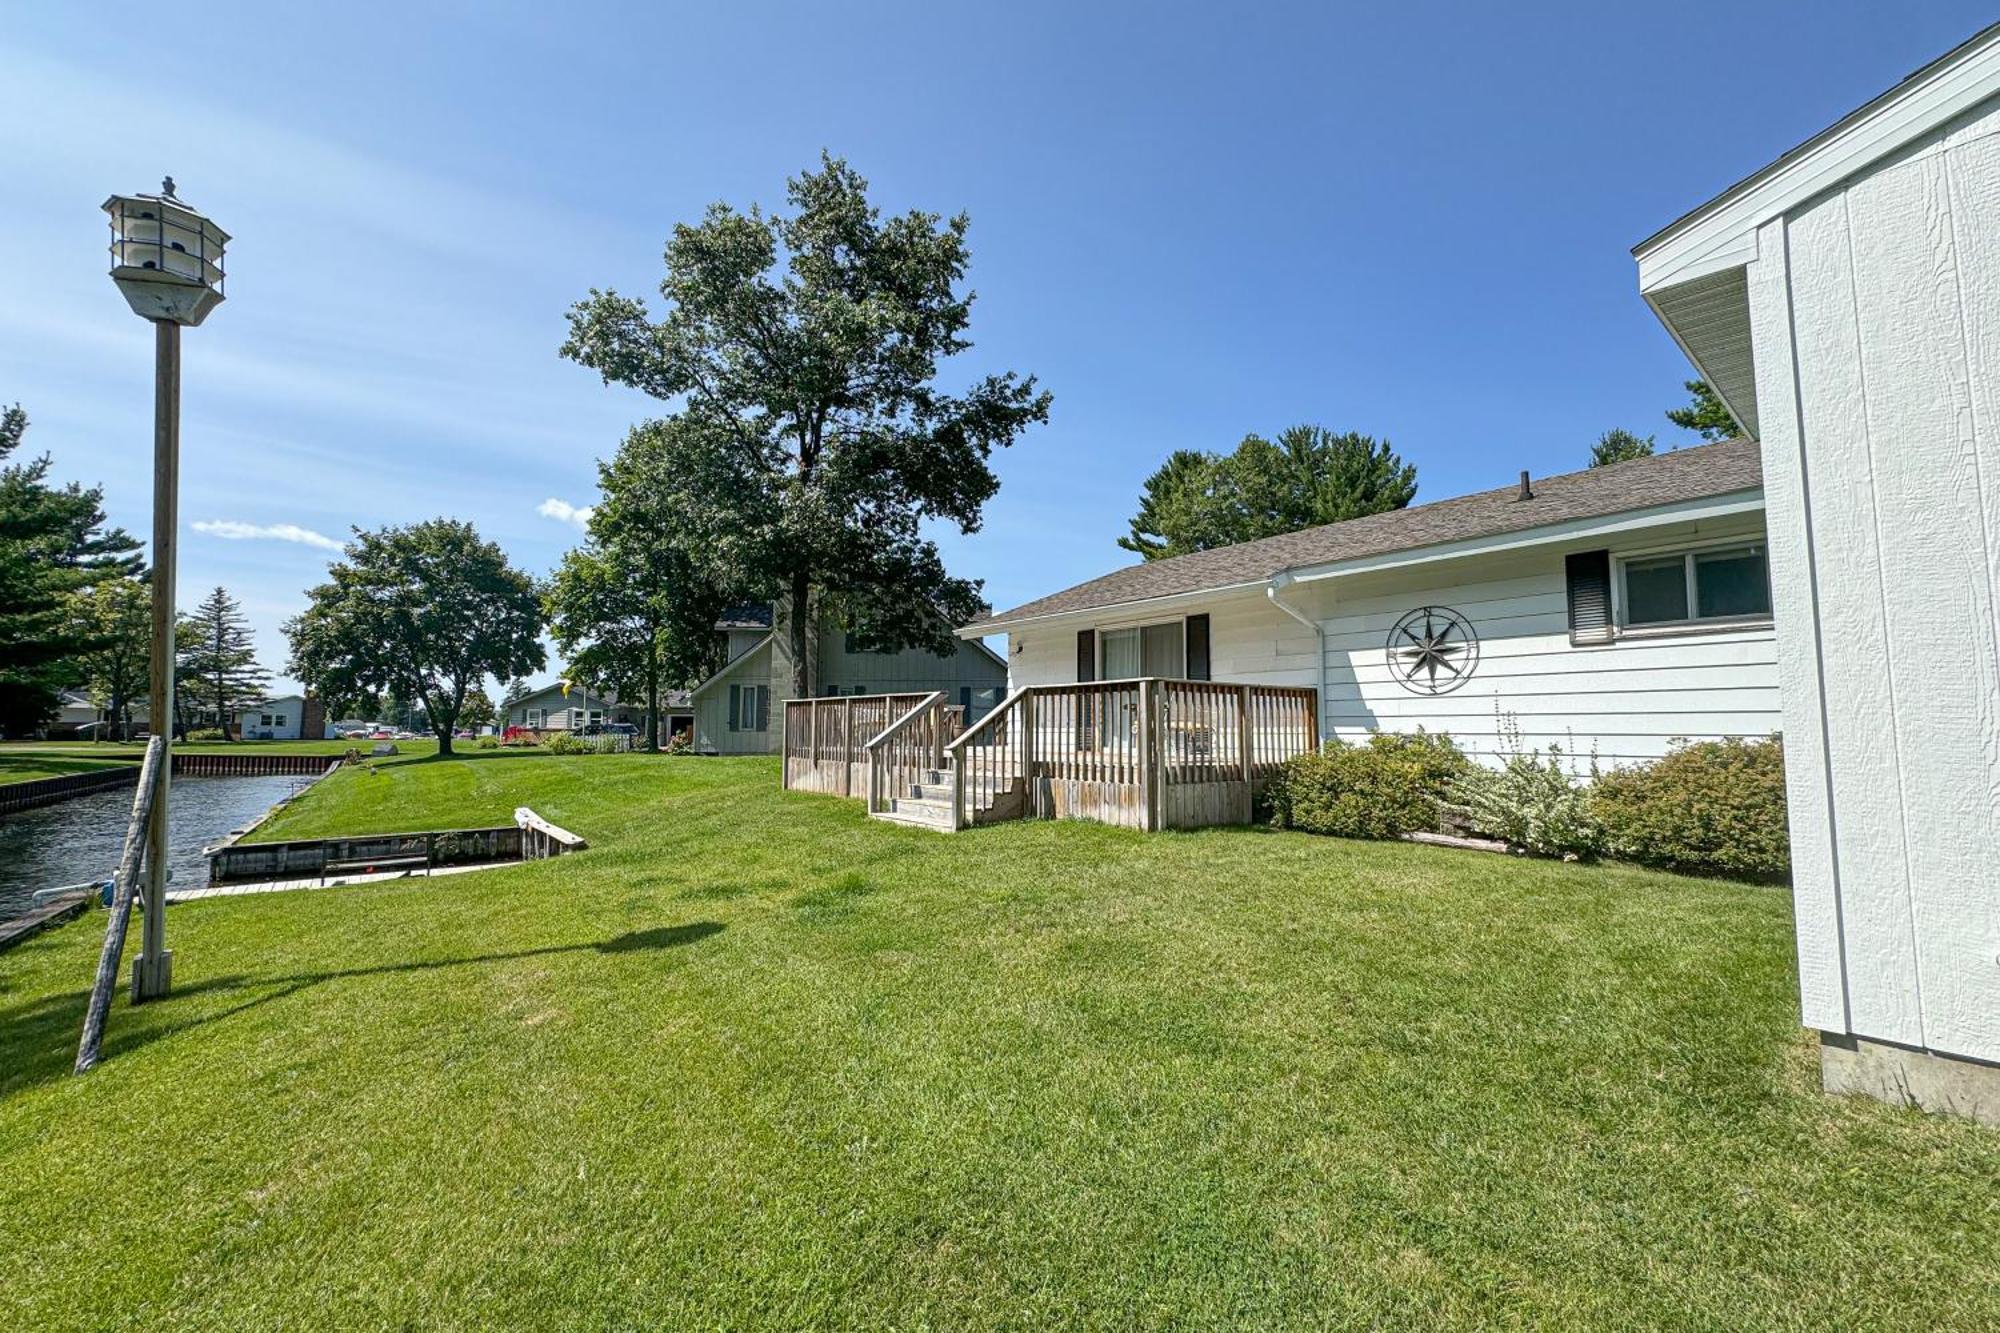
33,765
755,1061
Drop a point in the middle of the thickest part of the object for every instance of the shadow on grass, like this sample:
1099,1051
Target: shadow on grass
40,1036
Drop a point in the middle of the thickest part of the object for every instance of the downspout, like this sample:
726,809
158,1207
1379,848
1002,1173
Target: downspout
1278,583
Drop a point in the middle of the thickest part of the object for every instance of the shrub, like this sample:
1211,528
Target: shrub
681,742
1384,789
207,734
1715,807
1534,800
488,742
564,743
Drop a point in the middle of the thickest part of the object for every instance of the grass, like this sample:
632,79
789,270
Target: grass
755,1061
32,766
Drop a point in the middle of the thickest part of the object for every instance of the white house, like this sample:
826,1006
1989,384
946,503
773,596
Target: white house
1845,301
1610,610
277,719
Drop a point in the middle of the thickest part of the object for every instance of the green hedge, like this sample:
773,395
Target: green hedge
1384,789
1713,808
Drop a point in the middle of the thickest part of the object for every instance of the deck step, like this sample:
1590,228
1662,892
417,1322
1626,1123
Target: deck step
920,814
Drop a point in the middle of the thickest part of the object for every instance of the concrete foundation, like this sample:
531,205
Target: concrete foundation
1905,1076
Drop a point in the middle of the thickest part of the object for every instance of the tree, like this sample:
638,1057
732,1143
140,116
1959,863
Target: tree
517,690
221,664
1705,414
53,544
1619,446
633,607
810,442
1307,477
427,611
115,622
478,711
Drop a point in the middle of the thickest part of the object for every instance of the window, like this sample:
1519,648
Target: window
532,717
1144,650
749,707
1691,587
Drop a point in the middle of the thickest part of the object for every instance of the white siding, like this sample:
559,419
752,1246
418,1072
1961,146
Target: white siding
1876,310
712,734
1628,700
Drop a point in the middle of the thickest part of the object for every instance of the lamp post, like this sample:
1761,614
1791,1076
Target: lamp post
167,260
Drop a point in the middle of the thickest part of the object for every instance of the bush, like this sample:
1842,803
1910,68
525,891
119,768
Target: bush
488,742
1533,800
1384,789
207,734
1715,807
564,743
681,742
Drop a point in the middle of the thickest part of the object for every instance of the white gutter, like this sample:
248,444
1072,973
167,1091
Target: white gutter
1278,583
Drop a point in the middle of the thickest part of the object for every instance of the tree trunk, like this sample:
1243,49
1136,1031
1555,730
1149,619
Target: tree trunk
801,635
653,695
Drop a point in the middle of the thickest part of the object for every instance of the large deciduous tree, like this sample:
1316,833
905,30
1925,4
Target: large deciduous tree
115,621
811,440
634,607
425,611
53,544
220,661
1308,476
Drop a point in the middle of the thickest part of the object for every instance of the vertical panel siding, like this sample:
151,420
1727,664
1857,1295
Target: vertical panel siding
1788,504
1896,316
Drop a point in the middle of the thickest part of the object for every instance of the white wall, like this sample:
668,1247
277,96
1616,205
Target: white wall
1875,311
1629,699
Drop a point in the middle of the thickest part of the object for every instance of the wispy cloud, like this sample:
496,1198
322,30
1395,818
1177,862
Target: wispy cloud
232,530
562,511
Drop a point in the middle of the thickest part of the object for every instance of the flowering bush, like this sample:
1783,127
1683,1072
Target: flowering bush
1534,800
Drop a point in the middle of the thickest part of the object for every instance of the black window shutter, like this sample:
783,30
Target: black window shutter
1589,576
1086,655
1197,648
763,709
735,707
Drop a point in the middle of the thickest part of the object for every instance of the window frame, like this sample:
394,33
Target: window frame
1694,622
1140,627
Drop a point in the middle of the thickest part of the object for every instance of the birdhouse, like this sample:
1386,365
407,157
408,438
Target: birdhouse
165,256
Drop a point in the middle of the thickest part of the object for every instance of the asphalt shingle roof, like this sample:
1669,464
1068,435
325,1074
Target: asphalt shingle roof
1695,473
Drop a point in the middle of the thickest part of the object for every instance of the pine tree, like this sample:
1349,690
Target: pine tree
1705,414
1619,446
221,663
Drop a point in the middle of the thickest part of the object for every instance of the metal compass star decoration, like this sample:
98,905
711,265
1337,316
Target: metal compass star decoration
1432,650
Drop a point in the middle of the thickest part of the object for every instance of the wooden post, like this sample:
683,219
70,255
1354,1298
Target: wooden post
958,819
152,773
1149,757
1248,757
1031,800
847,753
152,971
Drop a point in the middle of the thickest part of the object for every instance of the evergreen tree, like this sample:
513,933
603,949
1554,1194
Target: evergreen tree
221,663
1705,414
53,544
1618,446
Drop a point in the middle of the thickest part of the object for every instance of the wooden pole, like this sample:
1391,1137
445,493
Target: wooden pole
1248,755
151,785
152,971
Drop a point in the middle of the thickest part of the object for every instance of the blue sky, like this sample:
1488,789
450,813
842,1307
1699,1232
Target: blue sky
1189,222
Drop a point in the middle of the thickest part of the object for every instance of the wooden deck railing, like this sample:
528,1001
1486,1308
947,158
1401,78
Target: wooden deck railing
1149,753
905,752
825,745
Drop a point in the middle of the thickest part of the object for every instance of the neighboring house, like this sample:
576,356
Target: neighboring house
739,710
278,719
77,718
1845,302
1610,610
547,709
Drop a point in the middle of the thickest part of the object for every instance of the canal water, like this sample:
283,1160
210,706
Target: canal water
81,839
